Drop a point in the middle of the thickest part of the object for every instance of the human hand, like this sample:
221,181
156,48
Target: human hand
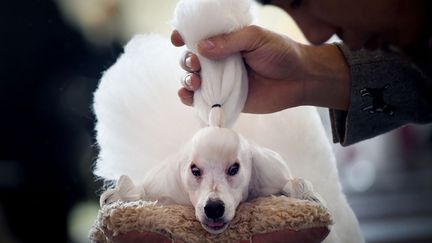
282,73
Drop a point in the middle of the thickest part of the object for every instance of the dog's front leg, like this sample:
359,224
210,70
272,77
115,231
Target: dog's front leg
125,190
302,189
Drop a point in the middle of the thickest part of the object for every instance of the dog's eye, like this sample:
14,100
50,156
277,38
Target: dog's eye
195,170
233,169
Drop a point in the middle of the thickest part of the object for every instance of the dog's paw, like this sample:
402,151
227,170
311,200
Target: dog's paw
302,189
125,190
108,197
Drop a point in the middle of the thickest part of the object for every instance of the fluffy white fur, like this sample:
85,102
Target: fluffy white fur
145,143
225,80
144,132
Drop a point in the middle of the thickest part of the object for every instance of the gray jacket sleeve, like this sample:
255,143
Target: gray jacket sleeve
387,91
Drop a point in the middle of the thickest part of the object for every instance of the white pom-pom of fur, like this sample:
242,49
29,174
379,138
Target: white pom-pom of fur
200,19
225,81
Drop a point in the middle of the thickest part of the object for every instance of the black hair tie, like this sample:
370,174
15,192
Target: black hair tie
216,105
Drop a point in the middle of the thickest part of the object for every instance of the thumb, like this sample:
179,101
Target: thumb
221,46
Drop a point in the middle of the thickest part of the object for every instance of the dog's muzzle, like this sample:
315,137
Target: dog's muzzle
215,221
214,209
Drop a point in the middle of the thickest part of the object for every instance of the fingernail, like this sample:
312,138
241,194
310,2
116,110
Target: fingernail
207,44
188,62
188,80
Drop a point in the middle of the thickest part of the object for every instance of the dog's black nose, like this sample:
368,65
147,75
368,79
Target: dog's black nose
214,209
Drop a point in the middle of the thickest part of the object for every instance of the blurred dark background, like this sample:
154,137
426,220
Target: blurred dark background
52,54
47,75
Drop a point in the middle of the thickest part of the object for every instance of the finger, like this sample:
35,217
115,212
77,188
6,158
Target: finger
190,62
185,96
191,81
176,38
244,40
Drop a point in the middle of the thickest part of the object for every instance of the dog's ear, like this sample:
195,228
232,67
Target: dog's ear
269,172
165,183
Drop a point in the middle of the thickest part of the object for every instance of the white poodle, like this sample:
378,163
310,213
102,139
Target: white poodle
215,172
143,132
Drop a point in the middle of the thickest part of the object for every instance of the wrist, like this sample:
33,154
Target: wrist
327,81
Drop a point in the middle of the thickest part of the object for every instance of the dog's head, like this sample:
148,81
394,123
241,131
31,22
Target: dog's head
217,176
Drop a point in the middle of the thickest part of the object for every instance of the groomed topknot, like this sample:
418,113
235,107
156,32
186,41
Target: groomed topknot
224,82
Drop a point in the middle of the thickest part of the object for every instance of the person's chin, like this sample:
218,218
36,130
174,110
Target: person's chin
366,41
354,43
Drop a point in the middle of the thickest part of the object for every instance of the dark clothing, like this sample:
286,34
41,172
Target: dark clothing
387,91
